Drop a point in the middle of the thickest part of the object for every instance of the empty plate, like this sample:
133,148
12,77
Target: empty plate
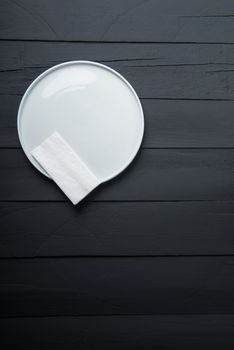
94,109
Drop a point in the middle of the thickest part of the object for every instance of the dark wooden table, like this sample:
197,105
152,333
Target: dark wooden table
146,261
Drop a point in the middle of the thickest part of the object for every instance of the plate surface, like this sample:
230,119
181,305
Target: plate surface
94,109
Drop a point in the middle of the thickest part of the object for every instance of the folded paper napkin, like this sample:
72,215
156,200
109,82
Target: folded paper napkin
65,167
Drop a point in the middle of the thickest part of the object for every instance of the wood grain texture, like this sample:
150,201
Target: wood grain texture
124,20
111,229
155,174
114,332
147,260
155,71
99,286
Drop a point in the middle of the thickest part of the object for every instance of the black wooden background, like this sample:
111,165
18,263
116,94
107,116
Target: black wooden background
147,260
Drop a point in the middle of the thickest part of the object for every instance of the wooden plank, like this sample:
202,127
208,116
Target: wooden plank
102,286
155,174
162,72
180,124
114,332
126,20
19,55
111,229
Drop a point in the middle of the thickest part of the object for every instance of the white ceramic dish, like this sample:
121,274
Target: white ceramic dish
92,106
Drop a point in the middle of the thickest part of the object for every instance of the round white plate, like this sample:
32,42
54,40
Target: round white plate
93,108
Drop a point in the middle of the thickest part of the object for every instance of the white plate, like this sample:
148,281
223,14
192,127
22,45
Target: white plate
94,109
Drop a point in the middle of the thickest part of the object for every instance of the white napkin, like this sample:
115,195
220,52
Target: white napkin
65,167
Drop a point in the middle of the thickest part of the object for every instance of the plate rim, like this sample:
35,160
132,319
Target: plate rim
93,63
